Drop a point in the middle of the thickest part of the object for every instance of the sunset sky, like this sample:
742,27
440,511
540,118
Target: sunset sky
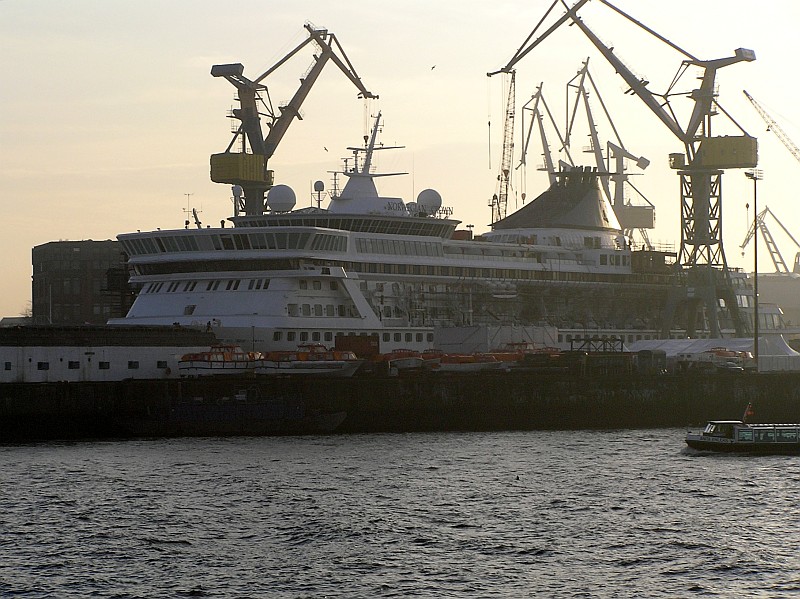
108,113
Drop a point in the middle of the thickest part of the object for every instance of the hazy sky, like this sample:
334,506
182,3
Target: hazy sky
108,113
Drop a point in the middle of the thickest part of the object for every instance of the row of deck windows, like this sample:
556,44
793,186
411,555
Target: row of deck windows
327,242
227,285
399,247
328,336
75,365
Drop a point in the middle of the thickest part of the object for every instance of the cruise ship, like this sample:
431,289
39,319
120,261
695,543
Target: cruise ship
368,264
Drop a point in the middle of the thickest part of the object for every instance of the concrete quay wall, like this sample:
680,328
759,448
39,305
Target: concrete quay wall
422,402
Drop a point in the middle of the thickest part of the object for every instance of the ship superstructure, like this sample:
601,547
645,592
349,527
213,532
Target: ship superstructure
370,264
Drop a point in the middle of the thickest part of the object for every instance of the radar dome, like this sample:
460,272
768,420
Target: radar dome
429,201
281,198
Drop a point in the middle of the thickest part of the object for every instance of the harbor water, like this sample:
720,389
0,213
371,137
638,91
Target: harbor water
516,514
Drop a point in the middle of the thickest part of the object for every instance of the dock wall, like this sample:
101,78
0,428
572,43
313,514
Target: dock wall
423,402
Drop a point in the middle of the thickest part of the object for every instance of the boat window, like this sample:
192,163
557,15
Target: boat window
330,310
409,337
303,284
787,435
317,309
290,336
43,366
745,434
104,365
8,366
276,336
328,336
398,337
765,435
303,335
419,337
430,337
386,337
315,336
161,364
317,285
133,364
306,309
189,310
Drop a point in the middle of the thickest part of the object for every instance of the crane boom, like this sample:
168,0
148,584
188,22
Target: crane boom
774,127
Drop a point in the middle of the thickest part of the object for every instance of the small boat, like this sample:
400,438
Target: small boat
468,363
219,359
403,359
737,436
310,359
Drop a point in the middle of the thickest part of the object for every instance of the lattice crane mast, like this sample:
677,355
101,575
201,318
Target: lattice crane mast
774,127
499,202
249,170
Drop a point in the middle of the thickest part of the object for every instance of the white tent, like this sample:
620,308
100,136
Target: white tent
773,351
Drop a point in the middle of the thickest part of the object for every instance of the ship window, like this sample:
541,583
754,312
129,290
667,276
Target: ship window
104,365
745,434
73,364
430,337
8,366
603,259
292,309
306,309
787,435
328,336
330,310
43,366
290,336
317,285
133,364
334,285
398,337
387,336
303,335
161,364
765,435
315,336
387,311
276,336
409,337
303,284
419,337
251,284
317,309
342,311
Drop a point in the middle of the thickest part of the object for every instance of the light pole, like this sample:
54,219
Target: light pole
756,175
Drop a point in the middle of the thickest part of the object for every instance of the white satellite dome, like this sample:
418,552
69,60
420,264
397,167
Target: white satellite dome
429,201
281,198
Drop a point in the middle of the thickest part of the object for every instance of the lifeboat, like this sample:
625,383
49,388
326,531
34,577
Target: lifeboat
468,363
310,359
403,359
219,359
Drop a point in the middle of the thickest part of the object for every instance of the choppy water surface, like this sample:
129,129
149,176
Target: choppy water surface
523,514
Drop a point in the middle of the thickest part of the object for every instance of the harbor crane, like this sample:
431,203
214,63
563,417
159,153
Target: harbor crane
769,240
700,165
774,127
248,170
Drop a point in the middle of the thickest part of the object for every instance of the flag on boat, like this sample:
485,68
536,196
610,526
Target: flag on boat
748,412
